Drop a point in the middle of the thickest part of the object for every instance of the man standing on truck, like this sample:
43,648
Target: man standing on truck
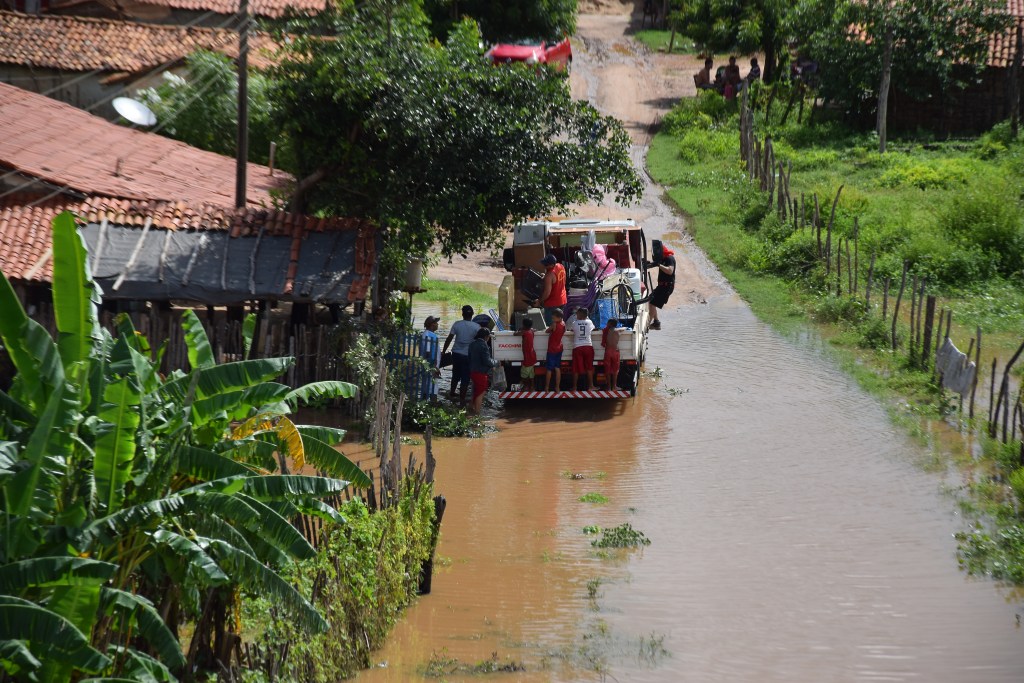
554,295
463,332
666,284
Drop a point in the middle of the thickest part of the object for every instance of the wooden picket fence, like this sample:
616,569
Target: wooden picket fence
840,257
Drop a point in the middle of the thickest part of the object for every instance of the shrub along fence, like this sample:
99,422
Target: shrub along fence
925,340
391,485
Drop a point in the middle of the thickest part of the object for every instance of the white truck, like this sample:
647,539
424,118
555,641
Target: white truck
607,273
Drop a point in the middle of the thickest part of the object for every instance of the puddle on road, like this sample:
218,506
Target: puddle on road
793,536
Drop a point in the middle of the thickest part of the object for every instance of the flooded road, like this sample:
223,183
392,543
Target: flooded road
793,536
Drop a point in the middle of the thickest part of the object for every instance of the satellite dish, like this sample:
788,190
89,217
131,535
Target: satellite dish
134,111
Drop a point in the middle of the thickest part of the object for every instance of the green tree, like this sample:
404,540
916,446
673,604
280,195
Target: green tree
130,502
744,26
436,145
502,21
201,108
931,48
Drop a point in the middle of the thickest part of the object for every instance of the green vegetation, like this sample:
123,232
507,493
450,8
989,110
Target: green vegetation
444,419
442,665
361,577
594,497
658,40
427,138
951,210
622,536
457,294
137,503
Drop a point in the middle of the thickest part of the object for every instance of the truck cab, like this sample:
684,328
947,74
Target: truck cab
605,274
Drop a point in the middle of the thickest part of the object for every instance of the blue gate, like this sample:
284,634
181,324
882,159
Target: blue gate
411,359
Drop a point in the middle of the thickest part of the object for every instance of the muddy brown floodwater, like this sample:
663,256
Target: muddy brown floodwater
793,537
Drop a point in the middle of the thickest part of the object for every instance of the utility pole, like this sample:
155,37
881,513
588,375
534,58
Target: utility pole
242,144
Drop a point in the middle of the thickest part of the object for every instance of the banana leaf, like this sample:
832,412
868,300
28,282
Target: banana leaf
40,572
51,638
115,450
321,391
150,626
75,297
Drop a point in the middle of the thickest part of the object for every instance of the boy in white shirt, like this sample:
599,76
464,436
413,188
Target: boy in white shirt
582,348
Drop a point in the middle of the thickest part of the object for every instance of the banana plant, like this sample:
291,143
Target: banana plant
125,497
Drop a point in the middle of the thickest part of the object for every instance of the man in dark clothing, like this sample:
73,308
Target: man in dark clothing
666,284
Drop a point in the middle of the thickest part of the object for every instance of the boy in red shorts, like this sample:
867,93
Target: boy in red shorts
582,349
527,372
553,361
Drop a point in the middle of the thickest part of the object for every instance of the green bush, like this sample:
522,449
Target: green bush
1017,484
875,333
706,111
362,576
833,309
988,217
696,145
939,174
443,419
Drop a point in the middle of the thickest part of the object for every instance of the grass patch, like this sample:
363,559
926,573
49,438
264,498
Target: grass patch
593,497
481,296
658,39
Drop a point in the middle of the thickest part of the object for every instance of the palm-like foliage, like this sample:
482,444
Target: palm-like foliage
128,499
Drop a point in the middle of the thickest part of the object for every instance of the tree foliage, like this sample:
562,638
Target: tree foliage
201,108
132,501
430,140
502,21
744,26
938,45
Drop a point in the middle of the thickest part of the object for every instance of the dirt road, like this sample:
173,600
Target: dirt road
624,79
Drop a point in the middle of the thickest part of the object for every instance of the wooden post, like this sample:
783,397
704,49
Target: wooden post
929,320
817,222
911,348
896,306
849,271
885,298
867,290
977,371
920,306
831,221
1004,390
839,267
856,256
992,399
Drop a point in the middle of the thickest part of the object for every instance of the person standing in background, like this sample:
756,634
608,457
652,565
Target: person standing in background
430,348
612,358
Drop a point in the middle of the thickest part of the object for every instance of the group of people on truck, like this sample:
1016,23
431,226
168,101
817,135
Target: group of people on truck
469,340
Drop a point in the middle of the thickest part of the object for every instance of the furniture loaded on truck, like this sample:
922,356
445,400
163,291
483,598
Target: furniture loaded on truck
606,265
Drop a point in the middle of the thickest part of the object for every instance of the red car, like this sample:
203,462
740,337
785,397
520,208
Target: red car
558,55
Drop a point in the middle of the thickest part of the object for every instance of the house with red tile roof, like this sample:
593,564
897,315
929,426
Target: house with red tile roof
199,254
200,12
87,62
51,148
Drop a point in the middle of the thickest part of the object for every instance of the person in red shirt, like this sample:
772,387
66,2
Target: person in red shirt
553,362
527,372
554,295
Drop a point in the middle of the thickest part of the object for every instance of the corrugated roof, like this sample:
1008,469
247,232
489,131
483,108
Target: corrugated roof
80,44
65,146
264,8
210,254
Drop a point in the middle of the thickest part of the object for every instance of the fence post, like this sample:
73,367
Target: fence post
896,306
977,371
929,321
867,291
